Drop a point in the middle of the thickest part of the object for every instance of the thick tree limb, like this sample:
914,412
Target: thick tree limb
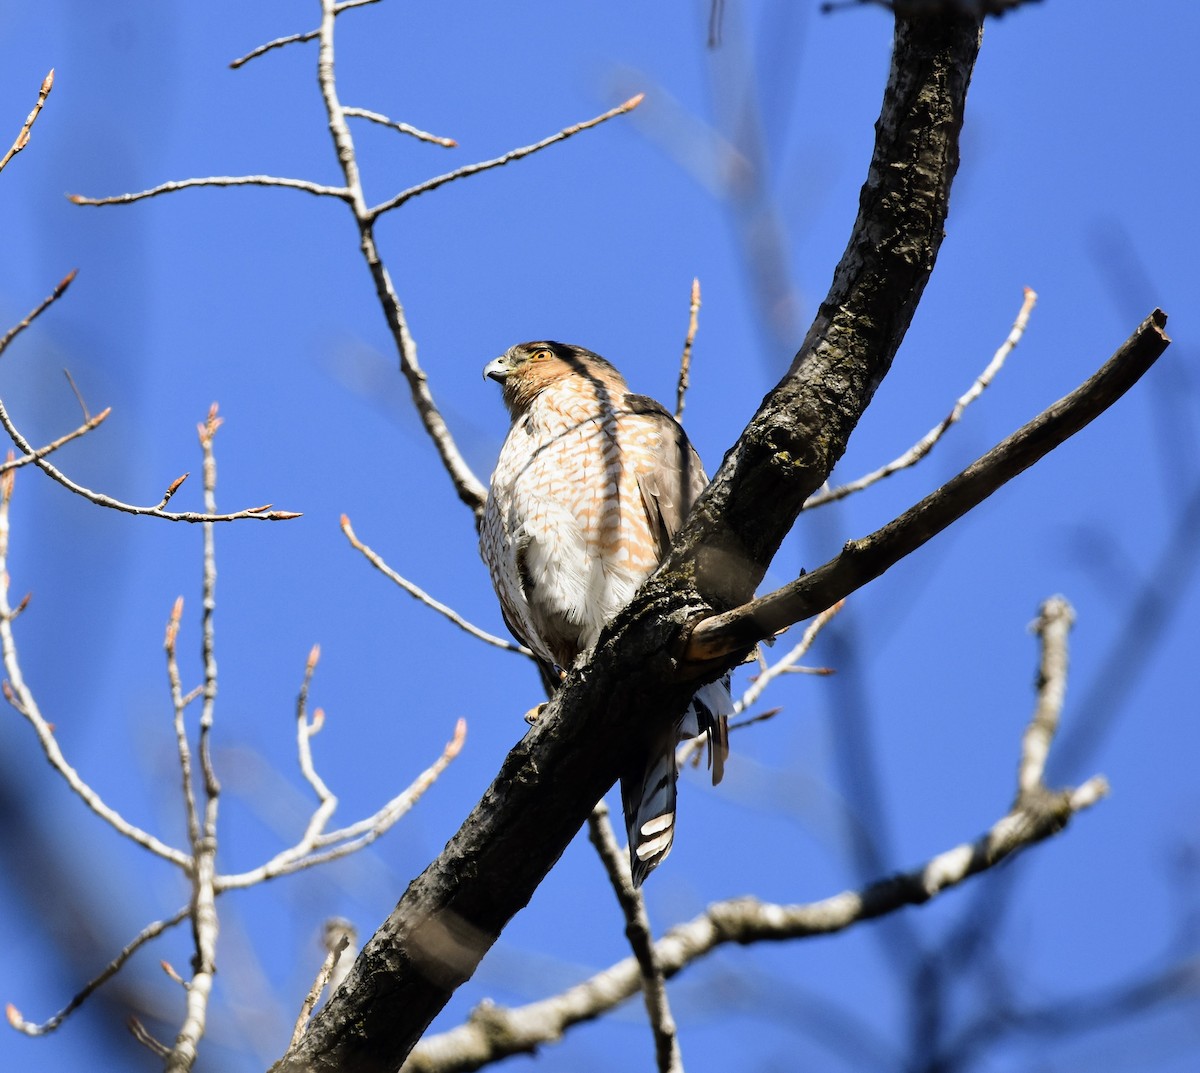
863,560
453,912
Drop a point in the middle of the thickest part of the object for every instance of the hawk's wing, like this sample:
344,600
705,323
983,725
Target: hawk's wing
676,477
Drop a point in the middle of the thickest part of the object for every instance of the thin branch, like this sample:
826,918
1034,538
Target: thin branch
420,594
50,448
305,729
787,663
923,446
685,361
312,851
863,560
262,513
205,922
33,315
220,181
403,128
507,158
78,394
292,39
19,695
23,137
143,1036
179,704
314,993
637,931
150,931
1054,622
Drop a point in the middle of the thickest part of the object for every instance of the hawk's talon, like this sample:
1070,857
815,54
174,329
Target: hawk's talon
534,713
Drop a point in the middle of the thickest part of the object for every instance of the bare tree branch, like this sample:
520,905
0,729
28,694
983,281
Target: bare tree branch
492,1033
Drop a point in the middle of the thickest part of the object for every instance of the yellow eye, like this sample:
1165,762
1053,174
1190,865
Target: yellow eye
542,354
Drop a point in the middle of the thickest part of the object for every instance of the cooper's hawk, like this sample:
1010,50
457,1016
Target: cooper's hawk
591,485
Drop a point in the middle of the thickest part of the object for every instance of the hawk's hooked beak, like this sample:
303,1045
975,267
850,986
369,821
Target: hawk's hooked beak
496,369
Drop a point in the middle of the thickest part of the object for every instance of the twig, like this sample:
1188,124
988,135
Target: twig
143,1036
923,446
205,921
685,361
787,662
292,39
262,513
507,158
403,128
179,704
150,931
23,136
1054,622
19,695
33,315
318,189
417,593
863,560
637,931
318,985
312,849
78,394
50,448
305,729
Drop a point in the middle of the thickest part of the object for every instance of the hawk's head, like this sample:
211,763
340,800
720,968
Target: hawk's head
527,369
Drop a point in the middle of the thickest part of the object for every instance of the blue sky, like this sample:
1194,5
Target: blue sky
1078,175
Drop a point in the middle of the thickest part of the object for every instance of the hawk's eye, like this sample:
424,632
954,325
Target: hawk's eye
541,354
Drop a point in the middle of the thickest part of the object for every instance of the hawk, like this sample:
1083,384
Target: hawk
591,485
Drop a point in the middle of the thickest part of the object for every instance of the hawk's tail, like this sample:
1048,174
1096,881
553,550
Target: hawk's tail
648,796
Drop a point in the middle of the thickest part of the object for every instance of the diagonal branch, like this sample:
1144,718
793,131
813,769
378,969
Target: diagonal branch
863,560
